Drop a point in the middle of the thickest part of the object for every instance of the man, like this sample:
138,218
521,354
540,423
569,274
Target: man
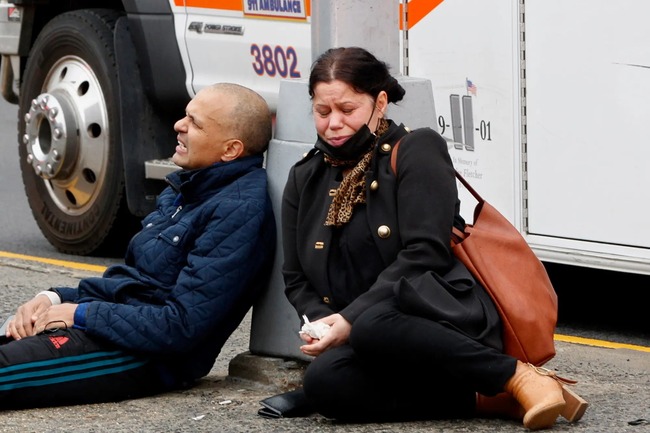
158,321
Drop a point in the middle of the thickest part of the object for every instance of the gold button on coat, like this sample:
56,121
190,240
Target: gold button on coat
385,147
383,231
326,300
374,185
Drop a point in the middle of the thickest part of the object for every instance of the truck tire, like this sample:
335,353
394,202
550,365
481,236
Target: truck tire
69,135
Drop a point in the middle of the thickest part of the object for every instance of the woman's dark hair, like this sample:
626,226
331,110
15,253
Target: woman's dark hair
358,68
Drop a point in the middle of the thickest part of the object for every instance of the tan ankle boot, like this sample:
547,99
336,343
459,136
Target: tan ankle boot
539,394
502,406
575,407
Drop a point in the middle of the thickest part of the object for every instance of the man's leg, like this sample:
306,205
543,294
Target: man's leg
67,367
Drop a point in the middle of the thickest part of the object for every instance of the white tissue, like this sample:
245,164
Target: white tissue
314,330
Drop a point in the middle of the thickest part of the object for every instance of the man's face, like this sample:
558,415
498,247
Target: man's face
202,134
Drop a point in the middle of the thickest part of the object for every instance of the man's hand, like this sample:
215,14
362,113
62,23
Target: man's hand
23,323
337,335
56,316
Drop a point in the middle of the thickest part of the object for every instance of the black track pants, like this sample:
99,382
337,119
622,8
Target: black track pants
66,367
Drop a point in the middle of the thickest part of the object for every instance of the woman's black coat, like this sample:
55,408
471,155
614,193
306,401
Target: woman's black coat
410,214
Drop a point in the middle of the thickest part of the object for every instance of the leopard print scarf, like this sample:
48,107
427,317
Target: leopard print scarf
352,189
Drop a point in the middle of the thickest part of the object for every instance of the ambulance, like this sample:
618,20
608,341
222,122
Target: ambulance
542,103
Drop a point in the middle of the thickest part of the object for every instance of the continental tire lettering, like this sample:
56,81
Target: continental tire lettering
68,228
275,61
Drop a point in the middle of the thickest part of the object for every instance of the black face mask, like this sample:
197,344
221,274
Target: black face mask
353,149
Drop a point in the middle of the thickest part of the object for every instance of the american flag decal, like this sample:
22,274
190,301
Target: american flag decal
471,87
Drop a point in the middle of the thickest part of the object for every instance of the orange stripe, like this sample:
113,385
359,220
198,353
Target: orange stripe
231,5
418,9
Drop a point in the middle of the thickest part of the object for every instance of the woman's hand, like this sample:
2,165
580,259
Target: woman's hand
337,335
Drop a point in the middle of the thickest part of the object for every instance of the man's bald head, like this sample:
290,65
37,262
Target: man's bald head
250,119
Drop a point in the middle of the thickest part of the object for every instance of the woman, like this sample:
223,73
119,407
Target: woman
358,239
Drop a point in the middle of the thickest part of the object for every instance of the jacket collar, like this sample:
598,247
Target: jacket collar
196,184
393,134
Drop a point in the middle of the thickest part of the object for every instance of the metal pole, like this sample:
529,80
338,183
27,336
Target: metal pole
371,24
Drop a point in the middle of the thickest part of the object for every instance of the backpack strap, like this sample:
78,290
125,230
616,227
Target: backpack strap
457,235
393,157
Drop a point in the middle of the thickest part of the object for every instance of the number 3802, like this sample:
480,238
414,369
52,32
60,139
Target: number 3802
272,61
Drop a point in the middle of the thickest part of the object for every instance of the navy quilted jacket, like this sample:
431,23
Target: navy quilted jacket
191,273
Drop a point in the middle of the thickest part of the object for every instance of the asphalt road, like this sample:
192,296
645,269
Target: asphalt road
615,381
